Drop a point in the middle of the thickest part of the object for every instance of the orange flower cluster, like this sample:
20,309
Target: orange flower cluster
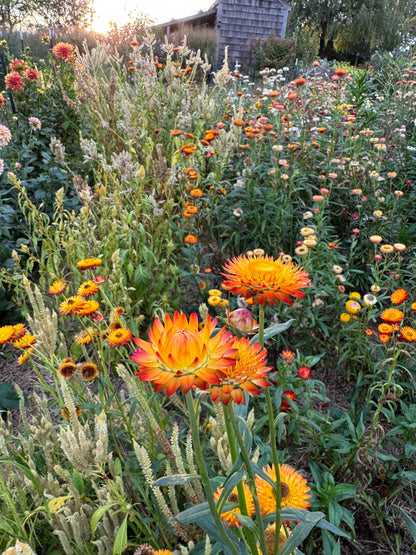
392,325
64,51
180,355
18,336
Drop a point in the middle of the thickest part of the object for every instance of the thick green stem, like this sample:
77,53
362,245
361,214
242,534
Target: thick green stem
250,479
278,488
240,487
193,420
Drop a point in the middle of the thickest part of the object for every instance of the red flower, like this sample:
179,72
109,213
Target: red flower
14,81
64,51
304,372
285,406
31,74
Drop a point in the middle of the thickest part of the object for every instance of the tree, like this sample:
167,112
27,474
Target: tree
13,12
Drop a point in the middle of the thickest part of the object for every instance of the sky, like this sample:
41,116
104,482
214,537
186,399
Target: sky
121,11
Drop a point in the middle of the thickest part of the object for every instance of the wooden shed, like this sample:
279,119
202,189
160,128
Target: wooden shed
239,23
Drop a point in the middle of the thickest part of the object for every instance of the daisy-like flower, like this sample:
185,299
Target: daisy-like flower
399,296
385,328
191,240
264,280
408,333
19,331
64,51
384,337
392,315
214,300
31,74
285,406
386,249
293,486
25,356
248,373
119,337
89,263
231,517
35,123
88,308
352,306
304,372
18,65
87,288
71,305
67,369
57,287
345,317
25,341
162,552
270,534
6,334
86,336
369,299
180,356
89,371
215,293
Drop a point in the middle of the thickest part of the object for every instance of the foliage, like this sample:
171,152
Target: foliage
274,52
173,178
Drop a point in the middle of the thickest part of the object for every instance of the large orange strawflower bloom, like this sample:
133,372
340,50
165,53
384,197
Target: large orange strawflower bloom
247,374
57,287
399,296
65,51
261,279
392,315
293,486
231,517
180,356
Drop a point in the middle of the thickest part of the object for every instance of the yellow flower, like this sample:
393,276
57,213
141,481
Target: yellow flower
214,300
355,295
215,293
386,249
231,517
352,306
301,250
345,317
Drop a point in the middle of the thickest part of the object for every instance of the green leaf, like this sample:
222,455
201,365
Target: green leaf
191,515
301,531
99,513
411,524
175,480
231,482
120,543
271,331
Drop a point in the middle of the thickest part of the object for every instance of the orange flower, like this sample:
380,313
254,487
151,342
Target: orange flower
247,374
88,308
191,240
89,263
384,337
286,406
180,356
231,517
6,334
176,132
369,332
25,341
87,288
19,331
18,65
385,328
340,72
57,287
196,193
239,122
14,81
119,337
65,412
408,333
399,296
261,279
71,305
293,486
67,369
392,315
299,82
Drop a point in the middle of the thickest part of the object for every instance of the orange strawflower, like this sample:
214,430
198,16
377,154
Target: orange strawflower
261,279
299,82
86,336
385,328
88,308
119,337
180,356
87,288
89,263
399,296
19,331
247,374
384,337
57,287
369,332
231,517
67,369
25,341
6,334
71,305
196,193
408,333
294,489
191,239
392,315
176,132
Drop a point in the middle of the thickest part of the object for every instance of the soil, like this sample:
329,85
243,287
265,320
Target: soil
370,537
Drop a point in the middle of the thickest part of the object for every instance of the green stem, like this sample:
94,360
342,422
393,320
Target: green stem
278,488
250,479
193,420
228,416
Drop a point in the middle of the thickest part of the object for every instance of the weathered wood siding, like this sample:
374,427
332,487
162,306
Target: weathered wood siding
241,22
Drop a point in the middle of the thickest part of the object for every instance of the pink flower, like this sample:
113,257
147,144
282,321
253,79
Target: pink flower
333,175
378,257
